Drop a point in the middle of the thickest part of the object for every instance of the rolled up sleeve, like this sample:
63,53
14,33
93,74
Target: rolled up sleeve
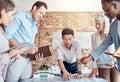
12,27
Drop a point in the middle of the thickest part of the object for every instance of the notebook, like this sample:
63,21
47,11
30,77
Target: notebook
45,50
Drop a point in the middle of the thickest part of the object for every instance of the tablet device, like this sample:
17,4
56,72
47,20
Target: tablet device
29,45
45,50
117,53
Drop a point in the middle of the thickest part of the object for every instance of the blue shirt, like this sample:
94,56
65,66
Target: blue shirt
23,28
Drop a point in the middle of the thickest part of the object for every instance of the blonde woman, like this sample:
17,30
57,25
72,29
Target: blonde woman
106,63
7,10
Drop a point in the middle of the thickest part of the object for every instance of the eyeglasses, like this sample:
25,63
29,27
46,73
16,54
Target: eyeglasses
107,9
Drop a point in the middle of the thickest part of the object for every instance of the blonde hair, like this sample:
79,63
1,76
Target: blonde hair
105,20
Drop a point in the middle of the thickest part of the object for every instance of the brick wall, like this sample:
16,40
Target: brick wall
54,21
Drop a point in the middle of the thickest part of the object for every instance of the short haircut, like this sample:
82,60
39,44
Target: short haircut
67,31
38,4
101,16
8,5
105,20
109,0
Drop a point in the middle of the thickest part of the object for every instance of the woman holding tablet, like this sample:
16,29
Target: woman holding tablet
7,10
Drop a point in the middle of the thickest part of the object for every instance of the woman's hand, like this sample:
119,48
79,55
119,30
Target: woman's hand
16,52
86,59
32,50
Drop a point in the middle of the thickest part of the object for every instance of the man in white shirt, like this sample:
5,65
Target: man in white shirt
69,55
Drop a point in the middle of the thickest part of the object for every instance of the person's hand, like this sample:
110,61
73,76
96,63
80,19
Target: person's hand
87,59
117,56
78,76
16,56
32,50
39,57
16,52
117,53
111,63
67,75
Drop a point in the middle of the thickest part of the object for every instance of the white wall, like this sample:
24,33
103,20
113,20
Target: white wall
62,5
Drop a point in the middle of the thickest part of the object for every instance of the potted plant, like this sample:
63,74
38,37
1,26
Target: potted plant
43,71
